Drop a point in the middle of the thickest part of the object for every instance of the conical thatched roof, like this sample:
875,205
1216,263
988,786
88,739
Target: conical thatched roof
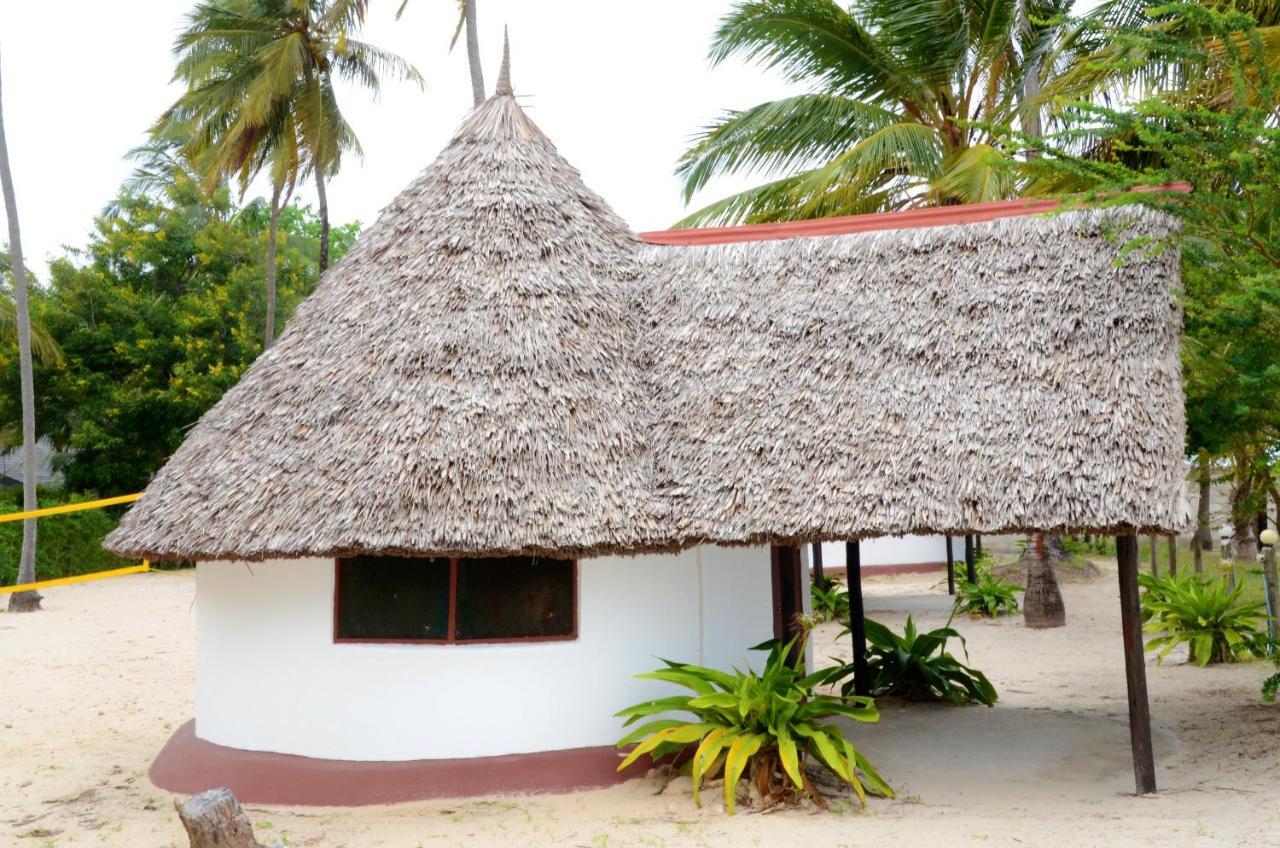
461,381
499,365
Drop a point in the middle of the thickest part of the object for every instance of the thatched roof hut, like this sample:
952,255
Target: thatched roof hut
501,391
500,365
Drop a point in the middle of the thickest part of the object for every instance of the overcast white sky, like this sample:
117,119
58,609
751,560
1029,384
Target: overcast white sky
618,86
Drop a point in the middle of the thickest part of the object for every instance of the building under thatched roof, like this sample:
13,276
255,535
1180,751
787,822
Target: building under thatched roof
501,395
499,365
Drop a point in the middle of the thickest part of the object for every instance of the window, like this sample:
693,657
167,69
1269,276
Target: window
485,599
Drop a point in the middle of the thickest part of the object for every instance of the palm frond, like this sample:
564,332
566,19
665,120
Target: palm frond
794,132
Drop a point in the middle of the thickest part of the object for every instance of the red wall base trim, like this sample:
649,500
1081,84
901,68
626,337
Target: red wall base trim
188,765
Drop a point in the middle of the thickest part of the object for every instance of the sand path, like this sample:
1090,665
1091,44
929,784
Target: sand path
91,689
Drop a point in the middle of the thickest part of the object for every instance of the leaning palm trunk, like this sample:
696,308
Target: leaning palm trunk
22,601
1042,604
473,53
273,232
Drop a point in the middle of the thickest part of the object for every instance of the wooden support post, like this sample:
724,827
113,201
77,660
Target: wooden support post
819,575
1155,565
213,819
970,560
1172,547
951,566
857,618
1144,767
789,587
977,544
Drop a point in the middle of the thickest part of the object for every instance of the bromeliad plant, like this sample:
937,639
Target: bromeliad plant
768,725
1205,614
918,667
991,596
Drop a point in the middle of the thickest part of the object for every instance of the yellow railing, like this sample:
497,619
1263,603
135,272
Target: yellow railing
79,578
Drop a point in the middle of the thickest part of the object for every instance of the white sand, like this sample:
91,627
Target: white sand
93,687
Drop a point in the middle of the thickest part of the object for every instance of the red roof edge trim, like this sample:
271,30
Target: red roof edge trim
930,216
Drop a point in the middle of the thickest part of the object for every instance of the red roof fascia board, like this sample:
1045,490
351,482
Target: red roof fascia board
930,216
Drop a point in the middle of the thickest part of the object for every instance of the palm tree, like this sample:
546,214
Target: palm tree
467,19
896,89
22,601
467,8
260,93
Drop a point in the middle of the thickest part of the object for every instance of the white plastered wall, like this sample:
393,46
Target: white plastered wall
270,677
895,550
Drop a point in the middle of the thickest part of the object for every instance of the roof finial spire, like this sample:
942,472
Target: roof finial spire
504,73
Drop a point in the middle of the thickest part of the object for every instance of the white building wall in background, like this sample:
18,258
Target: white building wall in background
270,678
896,550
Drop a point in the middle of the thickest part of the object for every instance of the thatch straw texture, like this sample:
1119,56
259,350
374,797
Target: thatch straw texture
499,366
1006,376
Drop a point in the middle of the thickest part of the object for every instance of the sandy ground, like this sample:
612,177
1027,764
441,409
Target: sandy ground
91,689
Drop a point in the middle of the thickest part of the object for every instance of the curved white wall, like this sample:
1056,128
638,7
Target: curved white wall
270,678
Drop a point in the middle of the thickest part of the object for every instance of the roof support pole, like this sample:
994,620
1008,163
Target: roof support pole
1144,768
857,618
819,575
788,593
977,544
951,566
970,560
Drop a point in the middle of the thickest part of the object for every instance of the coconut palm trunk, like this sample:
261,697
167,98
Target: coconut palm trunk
22,601
1203,540
473,52
1042,604
322,201
273,232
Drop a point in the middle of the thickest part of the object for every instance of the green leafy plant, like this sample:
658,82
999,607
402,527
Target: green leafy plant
767,724
830,602
1271,685
918,667
1205,614
991,596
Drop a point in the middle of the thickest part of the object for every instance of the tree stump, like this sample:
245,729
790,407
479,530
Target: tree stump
1042,604
213,819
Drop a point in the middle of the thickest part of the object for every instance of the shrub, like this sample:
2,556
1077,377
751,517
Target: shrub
918,667
991,596
766,724
830,603
1205,614
65,544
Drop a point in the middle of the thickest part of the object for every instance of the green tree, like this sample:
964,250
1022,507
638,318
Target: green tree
157,316
900,93
259,78
1215,131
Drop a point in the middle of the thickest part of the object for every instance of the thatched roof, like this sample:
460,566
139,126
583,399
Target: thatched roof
499,365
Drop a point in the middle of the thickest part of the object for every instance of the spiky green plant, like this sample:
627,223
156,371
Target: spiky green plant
767,724
990,596
1206,615
830,601
917,666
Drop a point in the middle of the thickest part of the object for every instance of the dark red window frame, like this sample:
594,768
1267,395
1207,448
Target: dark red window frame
453,617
